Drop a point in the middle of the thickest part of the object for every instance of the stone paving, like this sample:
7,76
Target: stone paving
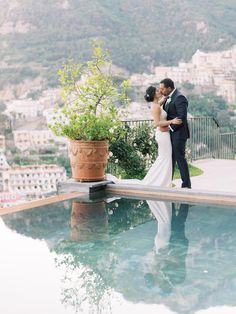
219,175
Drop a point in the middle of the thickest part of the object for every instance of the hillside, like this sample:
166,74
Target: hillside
36,37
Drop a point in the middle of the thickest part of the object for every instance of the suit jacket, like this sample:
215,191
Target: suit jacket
177,107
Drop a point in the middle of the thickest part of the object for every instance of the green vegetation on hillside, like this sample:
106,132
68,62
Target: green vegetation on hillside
137,33
212,106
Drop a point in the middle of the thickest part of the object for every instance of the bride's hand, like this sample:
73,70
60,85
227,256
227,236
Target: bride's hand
176,121
162,100
164,128
159,98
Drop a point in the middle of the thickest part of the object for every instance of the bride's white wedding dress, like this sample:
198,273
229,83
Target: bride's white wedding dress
163,214
160,173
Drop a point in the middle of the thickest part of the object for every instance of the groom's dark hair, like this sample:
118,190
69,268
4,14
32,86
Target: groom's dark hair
167,82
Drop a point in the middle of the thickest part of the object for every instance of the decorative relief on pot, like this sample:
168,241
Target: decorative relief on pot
88,160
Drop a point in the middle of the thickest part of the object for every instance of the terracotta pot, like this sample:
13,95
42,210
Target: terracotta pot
88,160
88,221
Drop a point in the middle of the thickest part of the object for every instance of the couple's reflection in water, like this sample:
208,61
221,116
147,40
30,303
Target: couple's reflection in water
168,261
163,267
165,264
118,245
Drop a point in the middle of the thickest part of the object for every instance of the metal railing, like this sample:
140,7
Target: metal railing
206,139
228,146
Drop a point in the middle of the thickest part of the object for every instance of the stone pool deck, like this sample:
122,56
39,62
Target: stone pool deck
217,185
219,175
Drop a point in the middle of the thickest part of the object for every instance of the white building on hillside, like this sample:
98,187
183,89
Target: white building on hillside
3,167
24,109
215,70
3,162
33,180
2,143
227,89
33,139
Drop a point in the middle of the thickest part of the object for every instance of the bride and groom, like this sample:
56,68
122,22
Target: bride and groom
169,112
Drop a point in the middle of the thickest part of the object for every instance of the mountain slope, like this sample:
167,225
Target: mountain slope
37,36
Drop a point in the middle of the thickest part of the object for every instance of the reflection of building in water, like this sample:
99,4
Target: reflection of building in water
88,221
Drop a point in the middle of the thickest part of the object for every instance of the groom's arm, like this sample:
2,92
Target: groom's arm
181,105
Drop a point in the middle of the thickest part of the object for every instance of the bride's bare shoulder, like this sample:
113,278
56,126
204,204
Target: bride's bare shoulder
155,107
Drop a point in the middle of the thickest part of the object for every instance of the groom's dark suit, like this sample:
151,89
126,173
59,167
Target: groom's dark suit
177,107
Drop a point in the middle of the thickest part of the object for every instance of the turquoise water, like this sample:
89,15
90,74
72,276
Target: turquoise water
118,256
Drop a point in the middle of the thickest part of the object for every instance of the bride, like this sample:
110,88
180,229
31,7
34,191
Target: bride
162,211
160,173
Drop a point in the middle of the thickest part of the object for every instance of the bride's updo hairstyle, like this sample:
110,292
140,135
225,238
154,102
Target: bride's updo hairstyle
150,94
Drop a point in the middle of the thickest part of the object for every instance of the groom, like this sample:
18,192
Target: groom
176,106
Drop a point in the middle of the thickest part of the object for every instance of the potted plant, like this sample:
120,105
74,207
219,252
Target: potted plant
89,116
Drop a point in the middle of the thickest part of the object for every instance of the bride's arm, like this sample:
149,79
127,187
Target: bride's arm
156,113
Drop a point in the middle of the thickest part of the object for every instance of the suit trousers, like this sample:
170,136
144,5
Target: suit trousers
178,155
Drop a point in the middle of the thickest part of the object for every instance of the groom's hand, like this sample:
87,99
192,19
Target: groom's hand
164,128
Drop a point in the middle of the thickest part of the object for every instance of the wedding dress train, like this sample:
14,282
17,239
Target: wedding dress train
160,173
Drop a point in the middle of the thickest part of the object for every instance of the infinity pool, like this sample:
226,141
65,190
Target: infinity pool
116,255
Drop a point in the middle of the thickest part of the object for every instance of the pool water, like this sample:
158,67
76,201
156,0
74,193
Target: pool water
116,255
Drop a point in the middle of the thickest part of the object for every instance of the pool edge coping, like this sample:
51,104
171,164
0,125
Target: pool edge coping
136,191
173,194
